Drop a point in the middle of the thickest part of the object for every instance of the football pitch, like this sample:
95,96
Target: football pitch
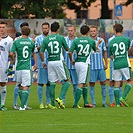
68,120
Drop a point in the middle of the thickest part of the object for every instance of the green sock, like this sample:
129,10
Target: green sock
52,93
117,95
64,90
20,94
126,90
77,96
85,95
24,97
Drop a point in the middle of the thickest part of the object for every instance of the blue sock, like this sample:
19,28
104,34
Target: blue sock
75,86
40,94
120,89
47,95
111,94
28,96
16,95
92,95
103,91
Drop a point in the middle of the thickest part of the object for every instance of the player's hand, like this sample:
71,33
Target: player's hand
99,41
105,67
35,67
73,62
44,65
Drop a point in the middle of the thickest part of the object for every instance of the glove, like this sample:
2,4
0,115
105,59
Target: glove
9,71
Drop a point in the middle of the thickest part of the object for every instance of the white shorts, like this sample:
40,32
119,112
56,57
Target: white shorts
57,71
82,72
118,74
3,74
24,77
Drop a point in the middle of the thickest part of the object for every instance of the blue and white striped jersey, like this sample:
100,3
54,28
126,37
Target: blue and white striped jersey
111,61
96,58
39,40
66,56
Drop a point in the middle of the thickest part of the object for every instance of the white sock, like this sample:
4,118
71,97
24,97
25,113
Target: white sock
3,95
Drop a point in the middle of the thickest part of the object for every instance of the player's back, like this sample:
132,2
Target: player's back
53,44
24,48
83,47
119,49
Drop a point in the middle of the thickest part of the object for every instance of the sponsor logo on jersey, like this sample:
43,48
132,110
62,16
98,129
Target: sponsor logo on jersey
5,43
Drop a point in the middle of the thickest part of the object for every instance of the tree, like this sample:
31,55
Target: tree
39,8
127,2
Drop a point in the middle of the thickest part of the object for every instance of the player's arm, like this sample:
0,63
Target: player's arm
12,53
130,51
99,41
35,61
105,57
65,44
71,52
105,60
42,54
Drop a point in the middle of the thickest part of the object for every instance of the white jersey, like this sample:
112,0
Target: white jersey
5,47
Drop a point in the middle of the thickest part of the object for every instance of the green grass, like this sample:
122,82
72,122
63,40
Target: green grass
69,120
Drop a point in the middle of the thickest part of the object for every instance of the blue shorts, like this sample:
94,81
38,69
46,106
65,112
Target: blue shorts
42,76
73,76
97,75
111,73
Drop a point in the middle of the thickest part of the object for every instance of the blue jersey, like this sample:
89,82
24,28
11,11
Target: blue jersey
96,58
39,40
66,56
111,61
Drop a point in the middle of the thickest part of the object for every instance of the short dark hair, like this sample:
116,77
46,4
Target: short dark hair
84,29
55,26
25,30
118,28
18,34
3,22
24,24
46,23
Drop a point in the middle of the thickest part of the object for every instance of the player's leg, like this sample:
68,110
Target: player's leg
47,89
3,94
102,78
74,80
128,75
3,80
117,77
16,97
40,81
111,93
62,74
85,91
111,89
26,106
52,76
92,81
82,73
26,82
48,105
